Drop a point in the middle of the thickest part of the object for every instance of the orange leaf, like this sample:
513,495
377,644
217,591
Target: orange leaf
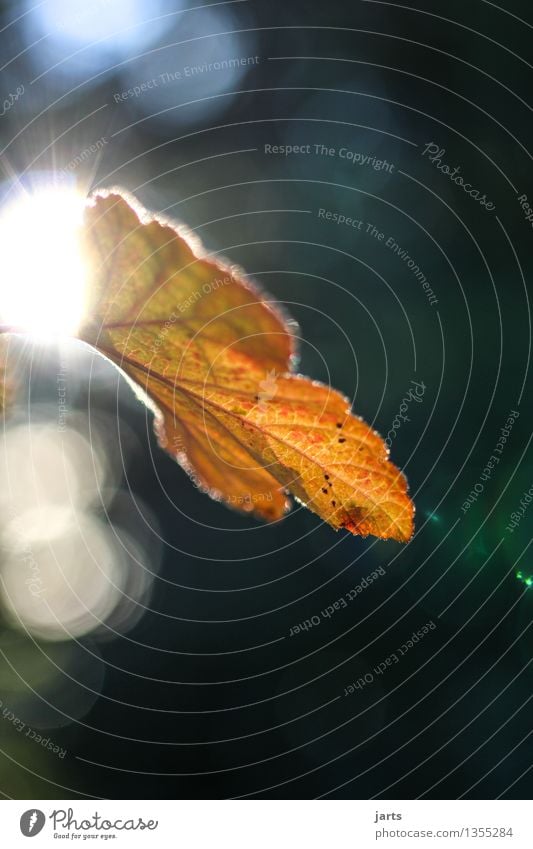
8,384
212,358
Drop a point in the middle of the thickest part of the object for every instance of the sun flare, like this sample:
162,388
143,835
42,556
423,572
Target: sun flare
42,285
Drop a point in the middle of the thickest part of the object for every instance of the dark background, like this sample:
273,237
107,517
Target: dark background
206,694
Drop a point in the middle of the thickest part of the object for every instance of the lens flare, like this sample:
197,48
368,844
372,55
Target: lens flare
43,282
527,580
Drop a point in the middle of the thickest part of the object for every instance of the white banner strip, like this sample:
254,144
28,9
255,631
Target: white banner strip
268,824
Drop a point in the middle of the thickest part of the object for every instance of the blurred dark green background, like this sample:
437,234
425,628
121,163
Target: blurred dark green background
160,661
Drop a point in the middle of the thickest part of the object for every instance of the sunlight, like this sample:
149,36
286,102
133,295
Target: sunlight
42,283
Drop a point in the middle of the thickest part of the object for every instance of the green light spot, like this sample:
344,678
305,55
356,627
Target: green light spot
527,581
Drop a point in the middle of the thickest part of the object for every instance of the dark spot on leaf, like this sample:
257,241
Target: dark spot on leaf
324,489
339,424
342,439
333,503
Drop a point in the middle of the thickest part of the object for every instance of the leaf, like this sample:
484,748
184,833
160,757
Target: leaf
8,385
212,357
